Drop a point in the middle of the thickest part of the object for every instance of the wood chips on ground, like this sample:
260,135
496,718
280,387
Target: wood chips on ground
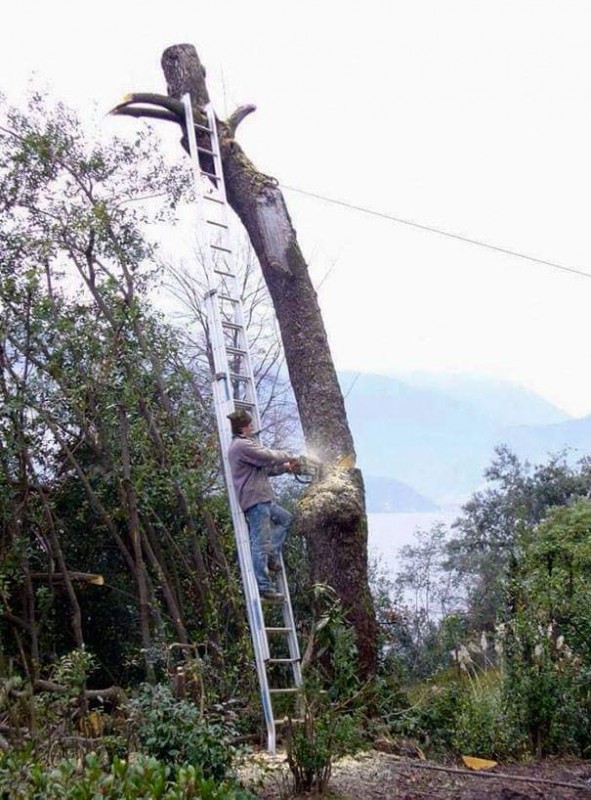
380,776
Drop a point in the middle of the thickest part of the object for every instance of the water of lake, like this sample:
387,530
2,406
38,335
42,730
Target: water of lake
389,532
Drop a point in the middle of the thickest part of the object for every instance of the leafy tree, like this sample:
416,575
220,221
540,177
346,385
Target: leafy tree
548,632
427,601
518,495
106,456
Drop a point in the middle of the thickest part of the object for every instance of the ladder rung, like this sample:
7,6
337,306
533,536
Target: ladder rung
282,660
235,351
218,247
222,272
235,376
217,224
200,127
205,150
210,175
213,199
285,720
278,630
229,298
232,326
245,404
287,690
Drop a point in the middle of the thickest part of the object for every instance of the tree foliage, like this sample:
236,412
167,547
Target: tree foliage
509,655
107,458
517,496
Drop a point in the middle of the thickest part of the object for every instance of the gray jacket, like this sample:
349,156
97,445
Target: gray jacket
251,464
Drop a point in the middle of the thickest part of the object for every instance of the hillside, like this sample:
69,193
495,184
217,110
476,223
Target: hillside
388,494
438,441
504,403
536,442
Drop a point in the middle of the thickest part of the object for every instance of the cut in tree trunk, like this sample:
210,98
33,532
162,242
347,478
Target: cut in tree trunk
333,515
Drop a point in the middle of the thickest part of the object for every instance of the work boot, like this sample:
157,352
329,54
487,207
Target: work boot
274,564
272,595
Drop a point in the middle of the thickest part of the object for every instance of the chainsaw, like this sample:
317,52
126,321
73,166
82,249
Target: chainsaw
306,469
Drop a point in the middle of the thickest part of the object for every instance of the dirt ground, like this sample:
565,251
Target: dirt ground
381,776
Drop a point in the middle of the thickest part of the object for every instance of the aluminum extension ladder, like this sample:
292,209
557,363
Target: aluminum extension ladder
234,388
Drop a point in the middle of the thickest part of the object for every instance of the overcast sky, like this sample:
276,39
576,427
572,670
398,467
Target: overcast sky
469,116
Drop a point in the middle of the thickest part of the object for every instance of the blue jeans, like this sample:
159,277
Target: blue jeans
268,524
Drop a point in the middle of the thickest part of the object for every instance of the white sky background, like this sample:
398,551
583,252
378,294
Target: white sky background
469,115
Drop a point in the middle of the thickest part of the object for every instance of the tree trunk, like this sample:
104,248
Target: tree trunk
333,515
135,536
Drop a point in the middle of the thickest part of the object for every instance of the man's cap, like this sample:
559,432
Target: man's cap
240,418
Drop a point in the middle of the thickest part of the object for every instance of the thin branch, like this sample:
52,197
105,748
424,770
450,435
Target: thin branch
237,116
466,773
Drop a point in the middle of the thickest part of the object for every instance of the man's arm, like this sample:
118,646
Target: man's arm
281,469
254,453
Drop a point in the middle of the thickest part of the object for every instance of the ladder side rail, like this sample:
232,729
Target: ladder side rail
221,367
224,405
254,609
208,262
225,398
233,279
239,318
215,141
256,623
289,622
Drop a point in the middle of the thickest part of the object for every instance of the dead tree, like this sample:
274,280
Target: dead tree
332,515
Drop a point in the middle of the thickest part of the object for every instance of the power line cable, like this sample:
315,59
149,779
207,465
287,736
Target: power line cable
353,382
439,231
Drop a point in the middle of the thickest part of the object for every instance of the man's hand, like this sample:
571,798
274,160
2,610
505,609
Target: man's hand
294,466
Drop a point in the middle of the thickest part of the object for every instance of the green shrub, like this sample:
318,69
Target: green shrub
546,689
432,719
22,778
314,744
547,650
332,702
175,732
483,726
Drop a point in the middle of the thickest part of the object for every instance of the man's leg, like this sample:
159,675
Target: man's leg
259,529
280,520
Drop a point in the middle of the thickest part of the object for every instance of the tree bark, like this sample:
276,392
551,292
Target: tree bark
333,518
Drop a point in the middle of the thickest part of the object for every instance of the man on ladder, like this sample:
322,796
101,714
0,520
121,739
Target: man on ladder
268,523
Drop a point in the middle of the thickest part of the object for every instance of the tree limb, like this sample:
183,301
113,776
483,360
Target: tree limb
83,577
466,773
109,693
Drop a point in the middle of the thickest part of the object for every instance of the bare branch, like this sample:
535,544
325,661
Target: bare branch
237,116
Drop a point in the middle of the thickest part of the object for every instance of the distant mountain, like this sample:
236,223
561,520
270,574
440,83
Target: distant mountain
421,437
387,494
503,402
536,442
439,441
